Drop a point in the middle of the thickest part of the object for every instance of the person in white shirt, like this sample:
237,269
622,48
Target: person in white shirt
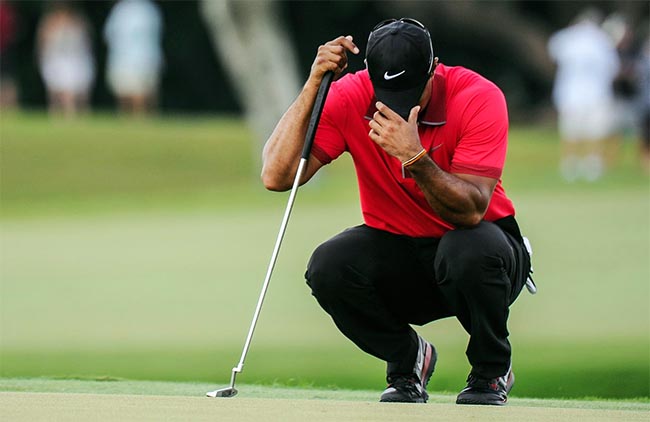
65,58
587,64
133,33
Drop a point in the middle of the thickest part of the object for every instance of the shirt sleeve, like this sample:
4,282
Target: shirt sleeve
329,142
483,141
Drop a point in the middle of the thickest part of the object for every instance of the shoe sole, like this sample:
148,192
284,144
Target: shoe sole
481,402
390,400
400,401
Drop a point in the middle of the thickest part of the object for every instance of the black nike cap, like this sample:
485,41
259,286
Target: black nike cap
399,58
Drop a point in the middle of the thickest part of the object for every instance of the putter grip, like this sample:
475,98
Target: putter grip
316,112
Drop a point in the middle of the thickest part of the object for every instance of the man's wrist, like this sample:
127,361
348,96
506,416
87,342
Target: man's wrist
313,81
414,159
421,165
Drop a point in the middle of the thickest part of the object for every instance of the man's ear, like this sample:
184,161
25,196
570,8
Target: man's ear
433,67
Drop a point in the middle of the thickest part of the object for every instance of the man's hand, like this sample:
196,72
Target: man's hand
395,135
332,56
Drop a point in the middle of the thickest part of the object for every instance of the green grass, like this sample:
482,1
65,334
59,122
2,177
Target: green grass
52,166
136,250
275,404
252,391
605,376
42,399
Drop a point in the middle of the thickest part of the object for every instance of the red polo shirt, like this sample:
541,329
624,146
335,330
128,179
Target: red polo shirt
464,128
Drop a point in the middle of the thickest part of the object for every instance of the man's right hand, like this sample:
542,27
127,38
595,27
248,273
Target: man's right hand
332,56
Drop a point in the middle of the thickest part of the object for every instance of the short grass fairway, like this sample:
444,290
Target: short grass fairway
137,401
136,250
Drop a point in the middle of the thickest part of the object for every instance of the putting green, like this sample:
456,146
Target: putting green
62,406
109,400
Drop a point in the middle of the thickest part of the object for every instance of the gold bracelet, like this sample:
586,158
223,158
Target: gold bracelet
414,159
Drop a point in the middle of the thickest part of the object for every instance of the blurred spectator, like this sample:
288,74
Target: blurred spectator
133,33
8,27
626,113
587,63
65,58
643,72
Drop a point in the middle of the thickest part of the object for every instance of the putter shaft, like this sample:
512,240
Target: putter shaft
231,391
311,132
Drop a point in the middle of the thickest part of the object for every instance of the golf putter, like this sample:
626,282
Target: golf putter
231,391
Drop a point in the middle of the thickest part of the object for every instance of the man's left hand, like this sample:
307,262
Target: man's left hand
395,135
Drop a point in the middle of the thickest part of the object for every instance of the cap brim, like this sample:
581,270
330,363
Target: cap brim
402,101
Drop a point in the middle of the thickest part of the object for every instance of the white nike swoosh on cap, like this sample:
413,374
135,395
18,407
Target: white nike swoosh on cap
389,77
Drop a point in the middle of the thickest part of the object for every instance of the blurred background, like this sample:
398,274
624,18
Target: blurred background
505,41
135,233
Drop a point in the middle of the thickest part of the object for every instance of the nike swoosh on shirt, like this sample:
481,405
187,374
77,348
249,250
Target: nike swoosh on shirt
389,77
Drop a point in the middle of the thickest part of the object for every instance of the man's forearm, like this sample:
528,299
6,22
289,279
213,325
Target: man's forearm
283,148
455,200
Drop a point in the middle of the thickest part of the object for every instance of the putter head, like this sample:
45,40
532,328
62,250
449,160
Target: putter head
224,392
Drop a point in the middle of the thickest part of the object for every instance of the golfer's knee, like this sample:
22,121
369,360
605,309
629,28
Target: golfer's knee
462,259
323,273
461,270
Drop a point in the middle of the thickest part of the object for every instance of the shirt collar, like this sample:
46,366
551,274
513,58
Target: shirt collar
436,111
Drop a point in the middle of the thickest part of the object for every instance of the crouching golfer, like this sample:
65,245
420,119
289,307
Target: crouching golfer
440,238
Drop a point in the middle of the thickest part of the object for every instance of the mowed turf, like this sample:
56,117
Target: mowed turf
137,250
120,400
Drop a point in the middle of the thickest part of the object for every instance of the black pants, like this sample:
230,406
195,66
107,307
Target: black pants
374,284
